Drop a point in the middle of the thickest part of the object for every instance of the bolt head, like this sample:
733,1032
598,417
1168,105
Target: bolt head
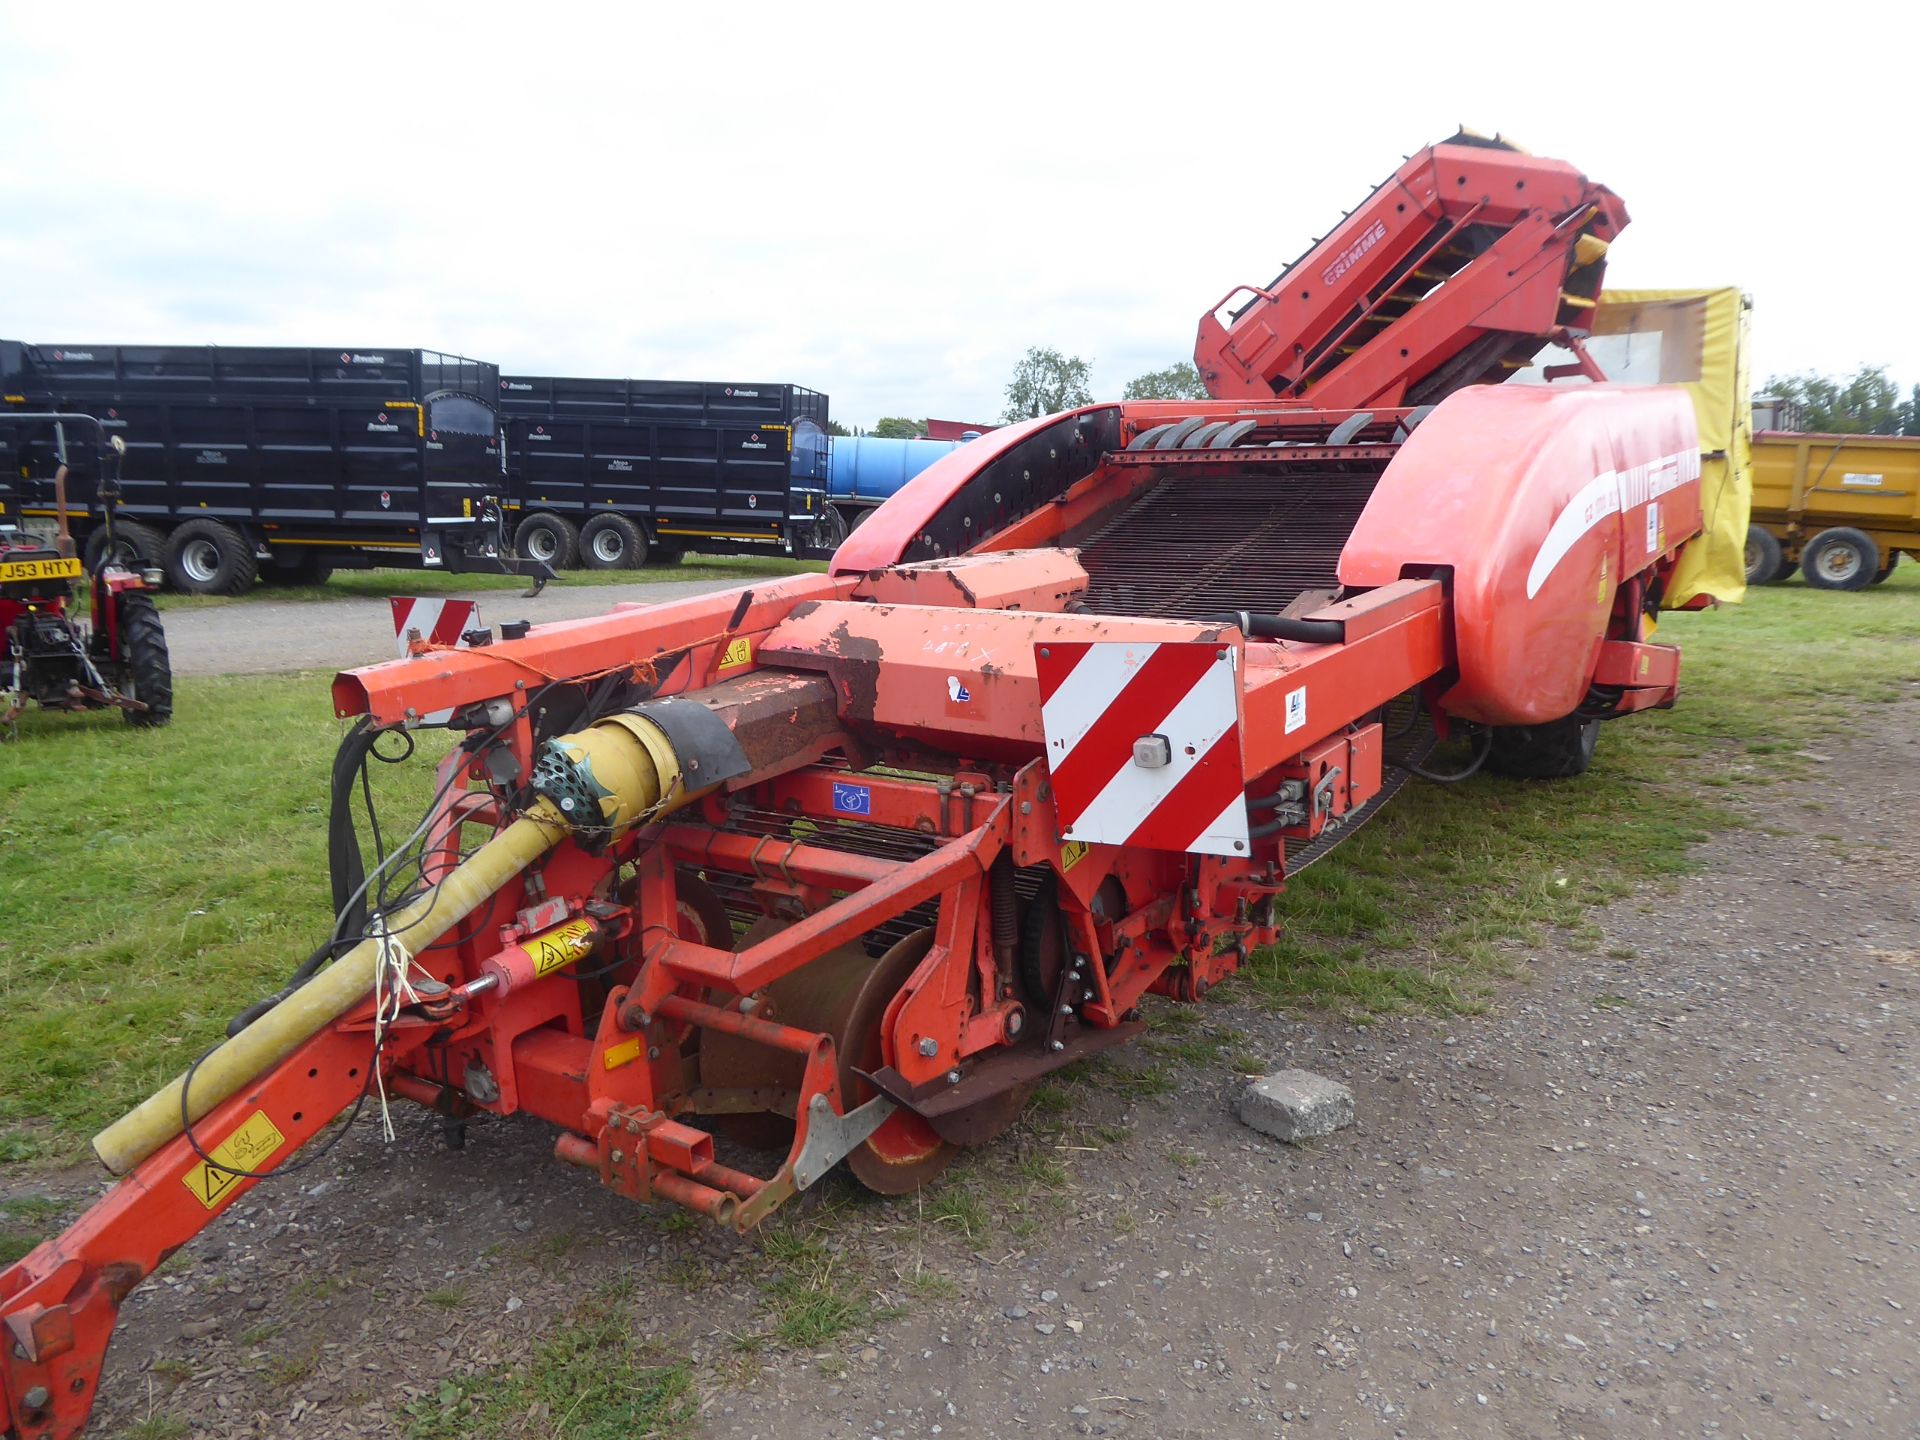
1058,1045
1066,1009
929,1047
618,1157
953,1077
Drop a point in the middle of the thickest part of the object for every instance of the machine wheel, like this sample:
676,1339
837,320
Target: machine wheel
832,530
205,557
1880,575
845,994
1558,750
135,546
612,542
906,1152
149,672
1840,559
1765,562
295,567
546,536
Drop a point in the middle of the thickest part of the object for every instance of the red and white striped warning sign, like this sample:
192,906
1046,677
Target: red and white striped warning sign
438,622
1144,744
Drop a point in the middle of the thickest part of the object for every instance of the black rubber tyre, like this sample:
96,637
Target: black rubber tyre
149,671
1840,559
549,537
831,532
1881,575
612,542
295,567
135,546
205,557
1765,562
1558,750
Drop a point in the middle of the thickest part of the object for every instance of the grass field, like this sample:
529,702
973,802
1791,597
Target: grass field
157,881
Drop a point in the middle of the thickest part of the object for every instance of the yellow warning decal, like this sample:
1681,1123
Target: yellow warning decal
247,1148
1072,852
561,945
738,652
625,1053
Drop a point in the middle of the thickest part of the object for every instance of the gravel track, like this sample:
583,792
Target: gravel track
1665,1187
261,637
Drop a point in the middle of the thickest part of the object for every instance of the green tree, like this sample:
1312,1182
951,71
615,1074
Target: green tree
1179,381
1864,403
899,427
834,427
1911,425
1046,382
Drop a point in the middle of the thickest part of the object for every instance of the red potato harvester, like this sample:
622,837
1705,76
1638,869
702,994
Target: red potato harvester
837,867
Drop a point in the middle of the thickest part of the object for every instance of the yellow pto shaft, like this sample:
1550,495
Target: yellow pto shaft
628,760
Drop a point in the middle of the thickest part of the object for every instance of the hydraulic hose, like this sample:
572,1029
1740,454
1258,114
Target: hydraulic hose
1281,627
608,778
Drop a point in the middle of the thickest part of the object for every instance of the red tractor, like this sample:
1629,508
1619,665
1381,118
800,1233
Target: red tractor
119,659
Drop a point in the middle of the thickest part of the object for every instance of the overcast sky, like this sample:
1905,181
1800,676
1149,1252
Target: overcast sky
891,204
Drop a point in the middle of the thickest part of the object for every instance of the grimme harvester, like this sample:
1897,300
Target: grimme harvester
837,867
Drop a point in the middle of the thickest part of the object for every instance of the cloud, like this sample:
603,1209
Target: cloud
887,203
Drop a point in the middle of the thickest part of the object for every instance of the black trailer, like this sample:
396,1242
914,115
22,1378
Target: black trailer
290,462
610,473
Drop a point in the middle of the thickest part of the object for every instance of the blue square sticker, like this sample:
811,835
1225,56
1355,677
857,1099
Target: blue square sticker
852,799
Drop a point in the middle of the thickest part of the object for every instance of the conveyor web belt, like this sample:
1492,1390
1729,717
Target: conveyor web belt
1201,542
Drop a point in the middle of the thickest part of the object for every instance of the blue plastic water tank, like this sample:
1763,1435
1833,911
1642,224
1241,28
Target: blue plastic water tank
868,467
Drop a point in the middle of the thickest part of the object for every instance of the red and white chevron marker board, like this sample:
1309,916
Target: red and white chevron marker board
1143,741
440,622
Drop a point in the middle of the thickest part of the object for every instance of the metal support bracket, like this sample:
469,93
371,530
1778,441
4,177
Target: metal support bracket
831,1137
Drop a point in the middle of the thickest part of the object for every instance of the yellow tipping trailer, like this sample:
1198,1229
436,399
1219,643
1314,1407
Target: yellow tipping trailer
1843,508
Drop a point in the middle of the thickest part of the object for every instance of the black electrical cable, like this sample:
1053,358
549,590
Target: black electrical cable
348,874
345,866
186,1124
1483,746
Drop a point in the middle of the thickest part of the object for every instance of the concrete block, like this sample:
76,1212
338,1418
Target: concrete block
1295,1105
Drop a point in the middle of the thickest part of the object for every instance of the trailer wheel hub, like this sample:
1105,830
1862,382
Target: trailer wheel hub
201,560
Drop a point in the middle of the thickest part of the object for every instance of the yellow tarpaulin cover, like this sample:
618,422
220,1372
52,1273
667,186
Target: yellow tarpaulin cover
1696,339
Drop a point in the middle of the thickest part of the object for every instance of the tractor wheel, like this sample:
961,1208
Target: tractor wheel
149,673
1558,750
1765,563
135,546
612,542
1840,559
547,537
205,557
1881,575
